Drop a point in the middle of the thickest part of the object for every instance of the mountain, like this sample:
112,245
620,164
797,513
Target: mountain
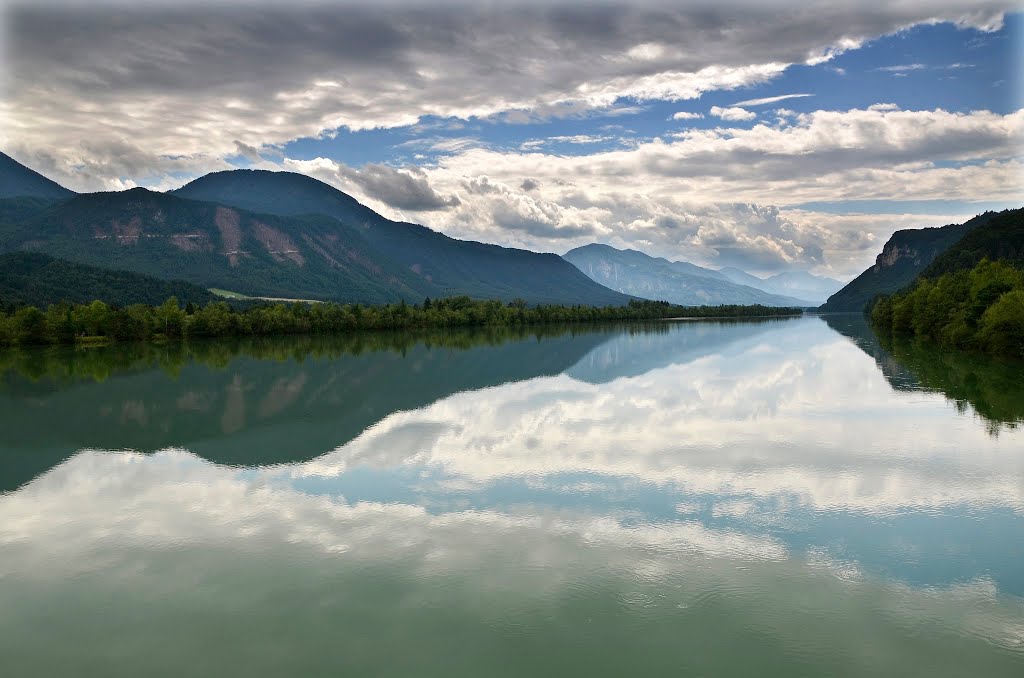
799,284
35,279
435,260
636,273
740,277
215,246
904,256
802,284
1001,237
17,180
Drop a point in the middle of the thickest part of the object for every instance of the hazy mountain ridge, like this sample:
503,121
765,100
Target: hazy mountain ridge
799,284
639,274
904,256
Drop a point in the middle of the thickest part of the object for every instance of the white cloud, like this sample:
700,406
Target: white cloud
732,114
770,100
580,139
167,90
707,195
687,115
902,68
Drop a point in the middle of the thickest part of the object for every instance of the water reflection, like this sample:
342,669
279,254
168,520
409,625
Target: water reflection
991,387
626,500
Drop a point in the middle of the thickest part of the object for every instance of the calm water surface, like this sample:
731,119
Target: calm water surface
784,498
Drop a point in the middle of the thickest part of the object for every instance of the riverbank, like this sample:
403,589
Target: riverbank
977,309
100,323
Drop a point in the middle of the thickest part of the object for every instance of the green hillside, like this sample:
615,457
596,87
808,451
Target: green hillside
1002,238
453,266
14,210
214,246
34,279
970,297
905,255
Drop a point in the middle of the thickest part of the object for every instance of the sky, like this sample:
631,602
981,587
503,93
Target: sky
763,135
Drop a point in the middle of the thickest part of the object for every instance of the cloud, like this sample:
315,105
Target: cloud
403,189
725,186
168,90
732,114
902,68
713,196
580,139
250,153
770,100
687,115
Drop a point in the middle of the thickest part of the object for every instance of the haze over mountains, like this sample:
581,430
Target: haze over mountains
799,284
678,282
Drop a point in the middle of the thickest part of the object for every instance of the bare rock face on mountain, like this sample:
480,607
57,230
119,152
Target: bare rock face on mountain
444,264
905,255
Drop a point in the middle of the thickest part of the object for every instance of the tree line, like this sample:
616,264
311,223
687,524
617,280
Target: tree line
981,308
66,323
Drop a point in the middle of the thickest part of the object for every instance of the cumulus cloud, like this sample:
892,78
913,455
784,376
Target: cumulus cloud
725,186
687,115
732,114
404,189
713,196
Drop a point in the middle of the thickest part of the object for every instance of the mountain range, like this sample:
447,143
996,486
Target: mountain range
300,239
800,284
638,274
287,235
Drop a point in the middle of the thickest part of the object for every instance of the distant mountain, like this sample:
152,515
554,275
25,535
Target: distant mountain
904,256
17,180
215,246
444,264
35,279
740,277
800,284
638,274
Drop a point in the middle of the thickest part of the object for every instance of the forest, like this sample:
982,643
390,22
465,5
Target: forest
98,322
979,308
